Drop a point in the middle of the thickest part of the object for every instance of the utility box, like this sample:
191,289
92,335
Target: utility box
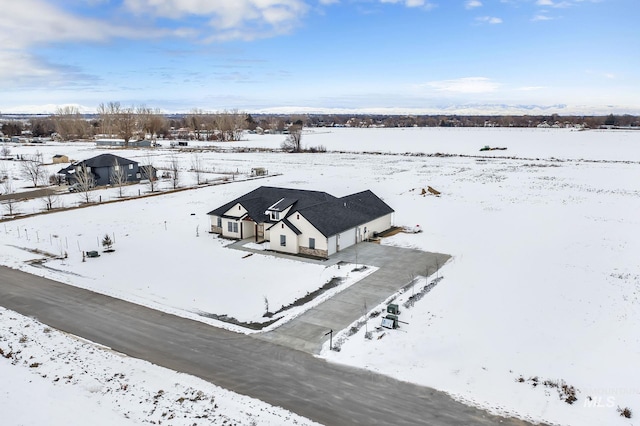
392,308
394,320
93,254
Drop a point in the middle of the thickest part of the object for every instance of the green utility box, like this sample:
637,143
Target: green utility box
93,254
392,308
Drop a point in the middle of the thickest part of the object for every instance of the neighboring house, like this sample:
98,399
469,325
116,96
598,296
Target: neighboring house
102,169
259,171
57,159
302,222
120,142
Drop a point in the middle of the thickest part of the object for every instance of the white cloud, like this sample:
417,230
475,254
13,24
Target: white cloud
425,4
37,22
464,85
229,19
562,4
327,2
541,17
489,20
530,88
472,4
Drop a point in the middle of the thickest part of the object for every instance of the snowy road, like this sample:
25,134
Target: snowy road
327,393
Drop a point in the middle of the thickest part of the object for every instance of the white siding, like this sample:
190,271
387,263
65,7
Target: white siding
291,239
346,239
332,245
236,211
225,228
248,229
378,225
214,220
308,231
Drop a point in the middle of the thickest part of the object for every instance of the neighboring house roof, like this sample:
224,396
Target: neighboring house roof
107,160
328,214
345,213
260,199
102,160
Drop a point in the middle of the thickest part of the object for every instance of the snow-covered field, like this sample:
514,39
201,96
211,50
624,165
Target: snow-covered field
544,282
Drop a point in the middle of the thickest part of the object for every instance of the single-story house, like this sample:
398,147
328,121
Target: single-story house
302,222
133,143
103,168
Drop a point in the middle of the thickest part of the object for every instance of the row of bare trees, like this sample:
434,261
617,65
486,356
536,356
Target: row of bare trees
225,126
115,120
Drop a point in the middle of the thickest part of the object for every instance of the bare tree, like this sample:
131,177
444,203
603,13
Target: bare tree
196,166
108,117
175,170
7,189
293,142
126,121
85,181
195,121
32,169
69,123
118,177
151,120
5,152
50,199
230,124
150,173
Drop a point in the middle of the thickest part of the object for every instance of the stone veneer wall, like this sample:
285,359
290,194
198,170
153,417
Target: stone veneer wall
314,252
216,229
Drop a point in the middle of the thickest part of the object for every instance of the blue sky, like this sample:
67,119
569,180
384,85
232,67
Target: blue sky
422,56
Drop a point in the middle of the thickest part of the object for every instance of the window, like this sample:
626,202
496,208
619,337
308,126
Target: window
235,227
116,167
219,222
275,215
312,243
230,226
130,166
283,240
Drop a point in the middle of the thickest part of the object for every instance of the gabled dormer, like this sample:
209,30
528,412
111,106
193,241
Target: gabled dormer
279,210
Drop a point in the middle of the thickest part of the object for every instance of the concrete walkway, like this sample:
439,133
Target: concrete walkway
398,266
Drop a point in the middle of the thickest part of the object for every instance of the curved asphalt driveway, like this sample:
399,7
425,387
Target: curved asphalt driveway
327,393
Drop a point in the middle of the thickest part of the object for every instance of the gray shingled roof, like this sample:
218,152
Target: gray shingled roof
260,199
102,160
107,160
330,215
344,213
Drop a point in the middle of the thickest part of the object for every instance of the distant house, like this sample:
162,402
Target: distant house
58,158
259,171
102,169
302,222
120,143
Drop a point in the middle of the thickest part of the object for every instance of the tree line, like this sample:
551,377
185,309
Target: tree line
112,120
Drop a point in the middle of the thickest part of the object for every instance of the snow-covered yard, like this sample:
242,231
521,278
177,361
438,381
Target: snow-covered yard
50,378
544,280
